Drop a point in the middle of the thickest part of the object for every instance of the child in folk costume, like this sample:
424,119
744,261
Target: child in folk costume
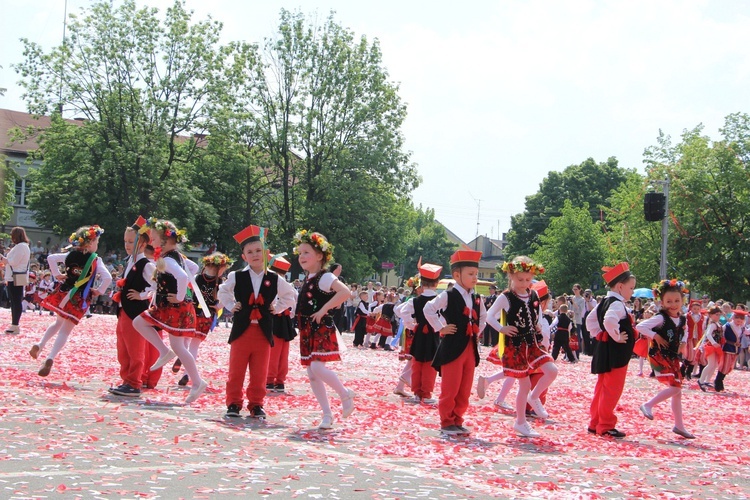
208,282
254,295
283,333
72,299
372,320
320,293
361,317
667,331
45,287
542,291
524,333
640,348
131,300
29,293
384,324
172,307
695,323
612,325
424,339
711,347
459,316
733,332
563,325
407,337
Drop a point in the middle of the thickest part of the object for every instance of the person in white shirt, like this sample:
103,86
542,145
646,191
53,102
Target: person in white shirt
172,309
17,270
73,298
611,325
668,333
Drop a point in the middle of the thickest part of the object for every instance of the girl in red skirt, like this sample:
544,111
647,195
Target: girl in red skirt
524,352
667,331
710,347
208,281
72,298
172,308
320,293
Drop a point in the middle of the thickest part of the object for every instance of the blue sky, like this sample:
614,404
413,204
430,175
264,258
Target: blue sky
501,92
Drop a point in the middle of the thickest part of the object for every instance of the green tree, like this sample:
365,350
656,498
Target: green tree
426,239
709,206
629,236
572,249
589,182
142,84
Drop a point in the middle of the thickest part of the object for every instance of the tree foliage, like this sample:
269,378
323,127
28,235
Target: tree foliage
572,249
709,206
589,182
426,239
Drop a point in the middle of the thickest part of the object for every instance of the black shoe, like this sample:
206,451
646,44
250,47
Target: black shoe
233,410
176,366
387,348
278,388
373,346
270,387
257,412
614,433
702,386
184,380
591,431
125,390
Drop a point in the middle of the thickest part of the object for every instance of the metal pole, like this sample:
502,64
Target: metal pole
664,231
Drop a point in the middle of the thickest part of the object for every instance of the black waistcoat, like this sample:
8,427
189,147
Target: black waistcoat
425,342
611,354
134,281
75,261
670,332
452,346
243,290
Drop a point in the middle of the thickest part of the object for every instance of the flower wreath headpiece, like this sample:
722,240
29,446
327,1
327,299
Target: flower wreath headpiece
85,235
667,285
414,282
520,266
217,259
314,239
168,229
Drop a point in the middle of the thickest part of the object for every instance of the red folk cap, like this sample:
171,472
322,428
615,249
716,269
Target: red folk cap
739,312
139,223
695,301
466,258
612,273
279,263
541,288
430,271
250,233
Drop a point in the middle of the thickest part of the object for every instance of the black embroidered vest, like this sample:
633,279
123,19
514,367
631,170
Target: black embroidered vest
243,291
134,281
610,354
452,346
670,332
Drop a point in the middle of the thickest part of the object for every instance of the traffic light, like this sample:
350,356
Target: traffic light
653,206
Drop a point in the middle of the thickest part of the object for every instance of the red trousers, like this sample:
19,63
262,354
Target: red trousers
131,349
606,396
151,378
249,352
278,362
455,388
423,377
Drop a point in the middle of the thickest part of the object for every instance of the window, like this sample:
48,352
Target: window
23,190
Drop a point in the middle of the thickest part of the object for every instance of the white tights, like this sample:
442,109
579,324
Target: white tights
710,369
507,386
405,377
549,371
320,376
62,327
147,331
676,394
181,346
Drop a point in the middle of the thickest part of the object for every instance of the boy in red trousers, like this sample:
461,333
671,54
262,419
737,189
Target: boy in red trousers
459,315
251,294
612,325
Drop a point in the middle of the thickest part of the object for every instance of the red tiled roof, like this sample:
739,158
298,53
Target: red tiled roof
11,119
